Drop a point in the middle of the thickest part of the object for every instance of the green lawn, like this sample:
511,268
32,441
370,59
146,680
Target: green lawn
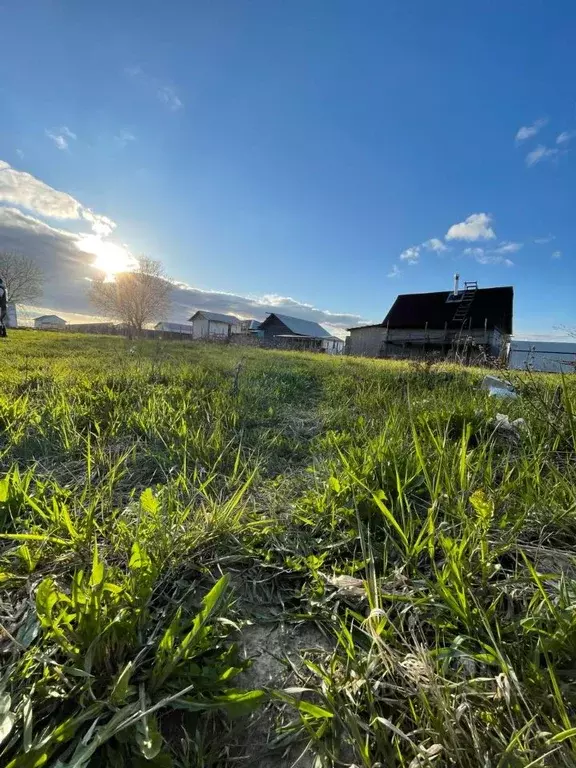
218,556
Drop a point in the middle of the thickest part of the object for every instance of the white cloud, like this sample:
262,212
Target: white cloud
565,137
68,258
133,71
557,255
26,191
168,96
124,138
411,255
528,131
14,219
101,225
540,153
188,299
394,272
21,188
475,227
508,247
60,136
20,153
434,244
164,92
544,240
60,141
487,257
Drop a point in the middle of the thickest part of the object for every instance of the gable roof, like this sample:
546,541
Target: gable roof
216,317
414,310
50,317
299,327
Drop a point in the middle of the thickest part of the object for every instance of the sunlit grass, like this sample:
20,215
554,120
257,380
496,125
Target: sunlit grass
156,498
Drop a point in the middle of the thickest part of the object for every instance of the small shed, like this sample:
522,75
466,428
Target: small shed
49,323
550,356
213,325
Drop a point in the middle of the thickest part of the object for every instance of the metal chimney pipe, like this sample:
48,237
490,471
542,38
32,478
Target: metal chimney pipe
456,279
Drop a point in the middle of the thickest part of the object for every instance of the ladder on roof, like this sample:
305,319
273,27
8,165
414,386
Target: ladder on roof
461,314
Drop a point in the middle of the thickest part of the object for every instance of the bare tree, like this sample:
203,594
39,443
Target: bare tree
22,276
135,298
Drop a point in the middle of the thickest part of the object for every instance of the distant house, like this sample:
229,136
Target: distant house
213,325
471,321
49,323
295,333
551,356
183,328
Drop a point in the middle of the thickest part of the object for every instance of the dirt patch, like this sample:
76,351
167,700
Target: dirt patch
276,652
272,646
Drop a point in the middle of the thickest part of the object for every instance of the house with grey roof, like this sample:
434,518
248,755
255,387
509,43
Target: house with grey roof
49,323
295,333
213,325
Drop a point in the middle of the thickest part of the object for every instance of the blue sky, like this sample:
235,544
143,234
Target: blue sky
298,154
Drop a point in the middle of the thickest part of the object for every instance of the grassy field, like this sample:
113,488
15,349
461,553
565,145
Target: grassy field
223,557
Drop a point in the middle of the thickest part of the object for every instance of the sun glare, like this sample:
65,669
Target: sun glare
110,258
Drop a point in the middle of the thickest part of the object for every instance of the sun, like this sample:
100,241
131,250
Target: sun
110,257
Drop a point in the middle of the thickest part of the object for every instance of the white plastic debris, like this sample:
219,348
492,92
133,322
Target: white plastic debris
510,430
498,392
503,421
498,387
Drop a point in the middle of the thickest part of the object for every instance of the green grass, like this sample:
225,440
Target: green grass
158,502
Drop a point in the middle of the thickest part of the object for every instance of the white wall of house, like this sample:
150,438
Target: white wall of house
333,346
366,342
209,329
218,330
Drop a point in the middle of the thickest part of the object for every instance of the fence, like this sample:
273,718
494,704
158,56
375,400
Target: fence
240,339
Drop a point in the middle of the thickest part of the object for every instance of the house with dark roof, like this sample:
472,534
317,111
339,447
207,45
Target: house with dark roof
213,325
295,333
468,323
